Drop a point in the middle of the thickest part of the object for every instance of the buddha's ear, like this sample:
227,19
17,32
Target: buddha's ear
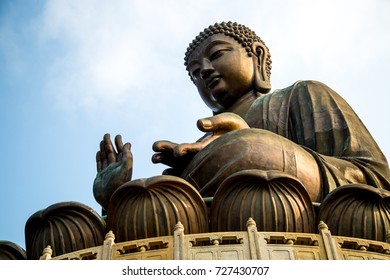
262,82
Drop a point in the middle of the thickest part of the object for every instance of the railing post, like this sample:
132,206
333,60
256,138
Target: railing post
331,249
46,253
106,253
253,240
178,242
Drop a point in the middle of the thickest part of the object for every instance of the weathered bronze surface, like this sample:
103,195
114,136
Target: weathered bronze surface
149,208
287,160
349,204
66,227
11,251
277,202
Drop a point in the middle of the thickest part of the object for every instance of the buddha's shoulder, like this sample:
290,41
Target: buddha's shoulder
307,85
297,92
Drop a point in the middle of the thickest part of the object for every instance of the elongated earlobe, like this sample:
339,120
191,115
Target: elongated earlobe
261,79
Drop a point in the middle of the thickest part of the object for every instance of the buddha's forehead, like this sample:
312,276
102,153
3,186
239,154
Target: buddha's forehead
204,46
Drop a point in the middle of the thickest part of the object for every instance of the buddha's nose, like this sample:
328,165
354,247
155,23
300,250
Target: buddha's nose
205,73
206,69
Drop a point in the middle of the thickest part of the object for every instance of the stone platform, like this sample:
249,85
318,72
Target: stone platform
242,245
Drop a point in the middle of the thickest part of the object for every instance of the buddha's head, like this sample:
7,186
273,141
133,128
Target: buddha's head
227,61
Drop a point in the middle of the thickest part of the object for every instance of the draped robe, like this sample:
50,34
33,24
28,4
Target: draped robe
313,117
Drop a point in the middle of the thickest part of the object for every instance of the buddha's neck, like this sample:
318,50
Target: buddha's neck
241,107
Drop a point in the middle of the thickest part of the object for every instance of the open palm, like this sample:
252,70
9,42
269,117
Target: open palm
114,167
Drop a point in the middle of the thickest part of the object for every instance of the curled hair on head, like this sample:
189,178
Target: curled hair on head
242,34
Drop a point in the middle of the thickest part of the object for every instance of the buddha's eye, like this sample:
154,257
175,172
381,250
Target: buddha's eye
218,53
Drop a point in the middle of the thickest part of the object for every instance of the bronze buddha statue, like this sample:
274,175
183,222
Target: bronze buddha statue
287,149
289,159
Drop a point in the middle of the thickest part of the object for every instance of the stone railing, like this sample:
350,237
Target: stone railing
244,245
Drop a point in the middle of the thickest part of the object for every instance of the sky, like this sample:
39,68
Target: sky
71,71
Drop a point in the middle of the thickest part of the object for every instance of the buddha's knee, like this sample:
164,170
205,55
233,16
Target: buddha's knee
251,149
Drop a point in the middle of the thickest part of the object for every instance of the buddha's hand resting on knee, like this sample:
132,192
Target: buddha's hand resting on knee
177,156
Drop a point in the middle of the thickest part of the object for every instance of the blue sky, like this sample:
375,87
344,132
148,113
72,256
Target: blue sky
71,71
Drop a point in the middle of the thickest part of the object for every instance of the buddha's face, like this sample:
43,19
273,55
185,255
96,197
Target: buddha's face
222,71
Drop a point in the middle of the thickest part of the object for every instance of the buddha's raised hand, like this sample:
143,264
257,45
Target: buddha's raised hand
114,167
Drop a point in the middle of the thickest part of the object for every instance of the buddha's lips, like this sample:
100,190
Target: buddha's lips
212,81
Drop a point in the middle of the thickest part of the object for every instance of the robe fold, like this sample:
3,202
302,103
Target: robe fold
315,117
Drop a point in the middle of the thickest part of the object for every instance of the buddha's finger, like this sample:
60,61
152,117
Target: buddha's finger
164,159
103,155
183,149
222,123
98,162
109,149
126,154
163,146
118,143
